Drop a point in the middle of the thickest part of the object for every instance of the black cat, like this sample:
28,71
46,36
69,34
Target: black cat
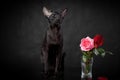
51,53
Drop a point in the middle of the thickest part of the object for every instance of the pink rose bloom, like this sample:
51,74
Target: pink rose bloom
87,44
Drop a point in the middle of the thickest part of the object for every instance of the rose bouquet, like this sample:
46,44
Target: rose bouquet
89,47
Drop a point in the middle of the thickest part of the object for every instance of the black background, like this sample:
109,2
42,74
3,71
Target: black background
23,26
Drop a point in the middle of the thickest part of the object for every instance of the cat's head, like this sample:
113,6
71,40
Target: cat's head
55,18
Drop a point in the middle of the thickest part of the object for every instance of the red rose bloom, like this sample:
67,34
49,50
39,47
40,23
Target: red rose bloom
98,40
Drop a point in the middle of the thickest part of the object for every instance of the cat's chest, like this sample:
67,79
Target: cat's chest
53,38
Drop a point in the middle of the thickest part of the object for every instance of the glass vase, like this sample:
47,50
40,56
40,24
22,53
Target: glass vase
86,67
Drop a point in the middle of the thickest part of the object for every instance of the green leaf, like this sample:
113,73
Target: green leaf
101,51
84,58
103,54
96,51
109,52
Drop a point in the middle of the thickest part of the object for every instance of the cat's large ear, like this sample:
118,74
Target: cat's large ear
46,12
64,12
